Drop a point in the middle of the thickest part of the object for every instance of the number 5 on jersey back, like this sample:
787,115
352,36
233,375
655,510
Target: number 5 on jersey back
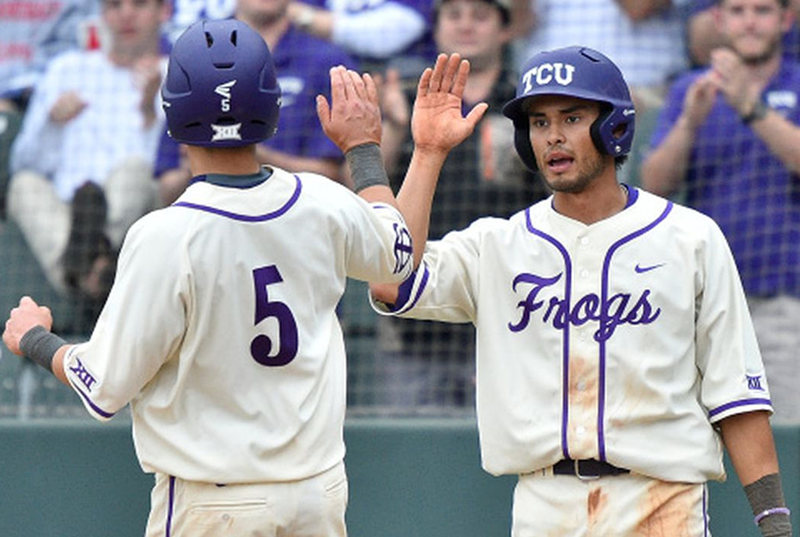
261,345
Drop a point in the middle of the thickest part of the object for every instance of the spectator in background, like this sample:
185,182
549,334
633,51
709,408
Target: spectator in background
302,63
728,137
33,32
704,36
82,163
373,32
645,38
432,364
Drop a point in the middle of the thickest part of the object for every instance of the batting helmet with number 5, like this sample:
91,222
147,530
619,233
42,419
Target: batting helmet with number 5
221,89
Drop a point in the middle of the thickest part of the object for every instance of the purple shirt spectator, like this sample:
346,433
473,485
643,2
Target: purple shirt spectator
735,179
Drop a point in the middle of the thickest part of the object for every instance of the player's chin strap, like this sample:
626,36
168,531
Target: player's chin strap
769,507
40,346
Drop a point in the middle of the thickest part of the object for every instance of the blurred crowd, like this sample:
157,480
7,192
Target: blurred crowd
84,150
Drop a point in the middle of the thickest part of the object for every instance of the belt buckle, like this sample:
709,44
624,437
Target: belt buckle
580,476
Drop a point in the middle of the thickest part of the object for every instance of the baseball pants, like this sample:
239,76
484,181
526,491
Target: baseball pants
312,507
628,505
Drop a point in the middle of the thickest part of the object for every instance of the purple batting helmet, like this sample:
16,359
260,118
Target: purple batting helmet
577,72
220,89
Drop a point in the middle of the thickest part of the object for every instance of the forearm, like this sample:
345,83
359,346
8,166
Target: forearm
368,175
414,201
58,364
664,169
748,440
750,445
43,348
416,195
781,137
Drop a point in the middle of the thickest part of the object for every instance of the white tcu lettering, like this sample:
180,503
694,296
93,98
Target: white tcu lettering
544,74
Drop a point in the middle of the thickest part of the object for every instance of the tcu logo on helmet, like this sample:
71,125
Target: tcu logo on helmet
544,74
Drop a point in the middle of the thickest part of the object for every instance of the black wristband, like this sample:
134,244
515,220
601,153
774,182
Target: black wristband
758,111
40,346
366,166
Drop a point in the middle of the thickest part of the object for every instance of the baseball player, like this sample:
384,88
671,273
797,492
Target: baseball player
220,329
615,354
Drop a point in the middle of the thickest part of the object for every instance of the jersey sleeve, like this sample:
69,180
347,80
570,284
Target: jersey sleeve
444,286
379,246
150,296
732,373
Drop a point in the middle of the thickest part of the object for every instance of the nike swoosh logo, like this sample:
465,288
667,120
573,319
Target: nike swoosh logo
640,269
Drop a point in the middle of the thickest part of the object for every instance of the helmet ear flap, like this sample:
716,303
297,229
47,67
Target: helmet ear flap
522,143
612,131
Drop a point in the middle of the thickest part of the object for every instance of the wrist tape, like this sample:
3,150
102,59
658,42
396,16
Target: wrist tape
769,507
366,166
40,346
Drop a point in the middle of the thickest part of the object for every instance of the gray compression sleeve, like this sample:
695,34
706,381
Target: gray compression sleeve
366,166
769,506
40,346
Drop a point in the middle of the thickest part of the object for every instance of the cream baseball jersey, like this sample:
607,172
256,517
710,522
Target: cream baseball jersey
622,341
221,328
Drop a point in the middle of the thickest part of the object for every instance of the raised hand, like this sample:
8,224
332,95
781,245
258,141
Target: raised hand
437,122
730,75
353,117
700,99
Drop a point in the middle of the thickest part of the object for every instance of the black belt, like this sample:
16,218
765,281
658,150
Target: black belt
587,468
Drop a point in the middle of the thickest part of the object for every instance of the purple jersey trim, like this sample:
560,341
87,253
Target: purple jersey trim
91,403
247,218
632,196
601,389
565,341
170,505
744,402
705,512
404,291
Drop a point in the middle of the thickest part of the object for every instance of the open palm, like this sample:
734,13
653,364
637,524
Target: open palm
437,122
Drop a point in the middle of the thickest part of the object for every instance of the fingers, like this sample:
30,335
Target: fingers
451,69
323,111
338,90
476,113
424,82
371,88
438,72
448,75
461,74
